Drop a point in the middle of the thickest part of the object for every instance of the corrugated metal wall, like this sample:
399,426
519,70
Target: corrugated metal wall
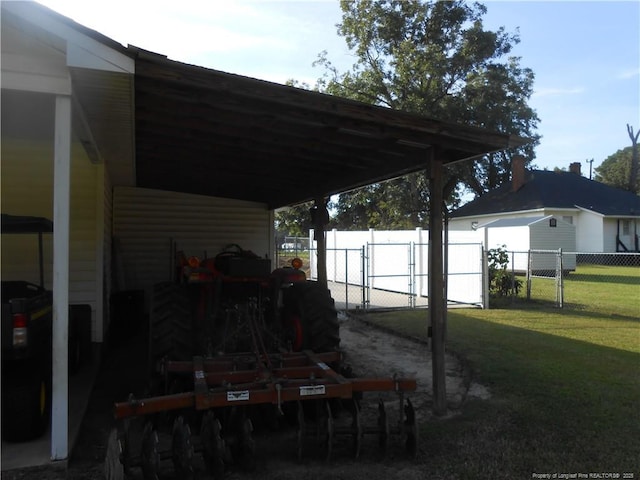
27,189
145,221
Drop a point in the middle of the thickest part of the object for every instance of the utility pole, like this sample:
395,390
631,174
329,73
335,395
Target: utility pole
590,162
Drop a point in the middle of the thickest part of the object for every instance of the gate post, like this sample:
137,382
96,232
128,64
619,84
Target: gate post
559,279
363,271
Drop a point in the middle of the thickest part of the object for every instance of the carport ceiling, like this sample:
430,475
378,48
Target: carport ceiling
207,132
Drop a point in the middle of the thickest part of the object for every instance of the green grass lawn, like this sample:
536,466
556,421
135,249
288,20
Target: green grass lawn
565,385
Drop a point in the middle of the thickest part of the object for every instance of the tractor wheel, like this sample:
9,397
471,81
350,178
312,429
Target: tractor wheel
312,317
170,324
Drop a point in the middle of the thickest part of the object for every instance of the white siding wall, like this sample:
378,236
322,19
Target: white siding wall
545,237
145,221
610,229
589,233
27,189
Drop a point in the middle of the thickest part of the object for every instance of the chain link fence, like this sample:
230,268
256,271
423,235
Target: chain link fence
380,276
558,278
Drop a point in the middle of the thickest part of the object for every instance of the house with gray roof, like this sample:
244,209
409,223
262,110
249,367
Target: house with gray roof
606,219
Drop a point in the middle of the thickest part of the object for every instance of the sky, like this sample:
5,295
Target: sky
585,54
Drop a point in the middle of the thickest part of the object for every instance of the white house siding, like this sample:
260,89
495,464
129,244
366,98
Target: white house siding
27,189
145,221
610,228
589,232
545,237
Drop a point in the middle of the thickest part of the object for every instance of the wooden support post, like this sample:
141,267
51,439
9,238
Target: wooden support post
320,217
436,285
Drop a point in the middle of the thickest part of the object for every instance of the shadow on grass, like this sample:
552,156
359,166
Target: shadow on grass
608,279
570,405
557,405
570,308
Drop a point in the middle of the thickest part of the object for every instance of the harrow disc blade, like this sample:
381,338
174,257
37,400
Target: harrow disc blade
247,446
329,432
182,449
356,426
383,427
301,430
113,469
126,455
411,429
149,456
213,447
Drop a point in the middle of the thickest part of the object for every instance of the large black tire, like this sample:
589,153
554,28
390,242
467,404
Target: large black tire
26,405
170,324
311,311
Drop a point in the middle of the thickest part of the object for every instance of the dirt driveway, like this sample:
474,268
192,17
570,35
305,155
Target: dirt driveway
369,350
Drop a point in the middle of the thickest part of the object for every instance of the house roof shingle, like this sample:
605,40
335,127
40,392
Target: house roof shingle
548,189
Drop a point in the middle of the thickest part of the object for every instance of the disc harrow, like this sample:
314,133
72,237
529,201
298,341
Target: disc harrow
225,390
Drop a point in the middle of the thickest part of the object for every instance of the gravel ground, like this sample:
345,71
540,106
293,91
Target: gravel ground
369,350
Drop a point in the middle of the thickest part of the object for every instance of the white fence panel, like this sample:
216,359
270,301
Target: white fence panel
397,261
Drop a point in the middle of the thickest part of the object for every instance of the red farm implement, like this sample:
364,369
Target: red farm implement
255,348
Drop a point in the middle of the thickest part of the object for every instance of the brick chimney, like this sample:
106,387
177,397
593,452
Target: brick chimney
517,172
575,168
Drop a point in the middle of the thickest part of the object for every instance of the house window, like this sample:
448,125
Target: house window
626,227
553,222
568,219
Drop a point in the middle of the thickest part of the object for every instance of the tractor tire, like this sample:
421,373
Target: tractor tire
311,312
26,406
170,324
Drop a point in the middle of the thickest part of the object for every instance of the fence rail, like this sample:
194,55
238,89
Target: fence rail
551,276
396,275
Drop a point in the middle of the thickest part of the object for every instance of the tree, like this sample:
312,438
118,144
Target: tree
294,221
615,170
633,169
435,59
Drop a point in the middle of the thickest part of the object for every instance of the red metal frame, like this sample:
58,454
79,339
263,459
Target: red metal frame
252,379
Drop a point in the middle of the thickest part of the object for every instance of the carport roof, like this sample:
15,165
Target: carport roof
207,132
